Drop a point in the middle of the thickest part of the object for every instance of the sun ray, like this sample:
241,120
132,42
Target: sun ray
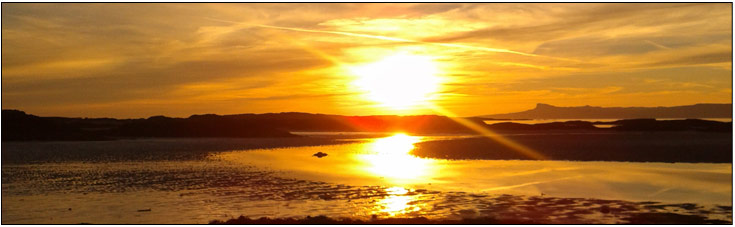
487,133
389,99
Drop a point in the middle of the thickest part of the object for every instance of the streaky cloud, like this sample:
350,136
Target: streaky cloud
387,38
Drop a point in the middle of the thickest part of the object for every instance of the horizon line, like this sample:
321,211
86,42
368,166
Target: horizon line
346,115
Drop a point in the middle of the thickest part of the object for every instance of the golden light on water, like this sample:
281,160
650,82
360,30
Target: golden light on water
397,144
397,202
399,81
394,205
389,158
396,191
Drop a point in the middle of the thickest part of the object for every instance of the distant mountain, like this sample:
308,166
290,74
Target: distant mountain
545,111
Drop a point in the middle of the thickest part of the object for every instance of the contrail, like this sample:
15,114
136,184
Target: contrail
400,40
657,45
497,50
303,46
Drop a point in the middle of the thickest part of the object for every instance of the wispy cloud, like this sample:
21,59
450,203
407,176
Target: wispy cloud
104,59
386,38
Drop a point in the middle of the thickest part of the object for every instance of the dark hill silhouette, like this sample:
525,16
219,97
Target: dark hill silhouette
293,121
19,126
196,126
545,111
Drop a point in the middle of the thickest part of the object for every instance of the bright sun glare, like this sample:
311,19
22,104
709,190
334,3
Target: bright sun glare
397,144
391,159
399,81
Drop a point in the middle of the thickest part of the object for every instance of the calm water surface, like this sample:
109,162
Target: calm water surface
375,176
387,161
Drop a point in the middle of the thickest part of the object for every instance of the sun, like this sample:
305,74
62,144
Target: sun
399,81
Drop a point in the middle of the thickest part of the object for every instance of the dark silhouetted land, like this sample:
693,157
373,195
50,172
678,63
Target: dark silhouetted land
619,125
613,146
19,126
545,111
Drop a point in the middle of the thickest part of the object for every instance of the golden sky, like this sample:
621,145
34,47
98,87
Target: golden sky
174,59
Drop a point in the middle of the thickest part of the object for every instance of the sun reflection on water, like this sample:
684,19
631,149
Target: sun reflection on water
390,158
397,144
398,202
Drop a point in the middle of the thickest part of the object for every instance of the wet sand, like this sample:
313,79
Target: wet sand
350,204
513,209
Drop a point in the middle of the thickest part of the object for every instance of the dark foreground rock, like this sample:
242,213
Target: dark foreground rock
511,209
642,218
323,220
669,219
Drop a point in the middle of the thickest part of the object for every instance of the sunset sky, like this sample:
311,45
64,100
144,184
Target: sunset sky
139,60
